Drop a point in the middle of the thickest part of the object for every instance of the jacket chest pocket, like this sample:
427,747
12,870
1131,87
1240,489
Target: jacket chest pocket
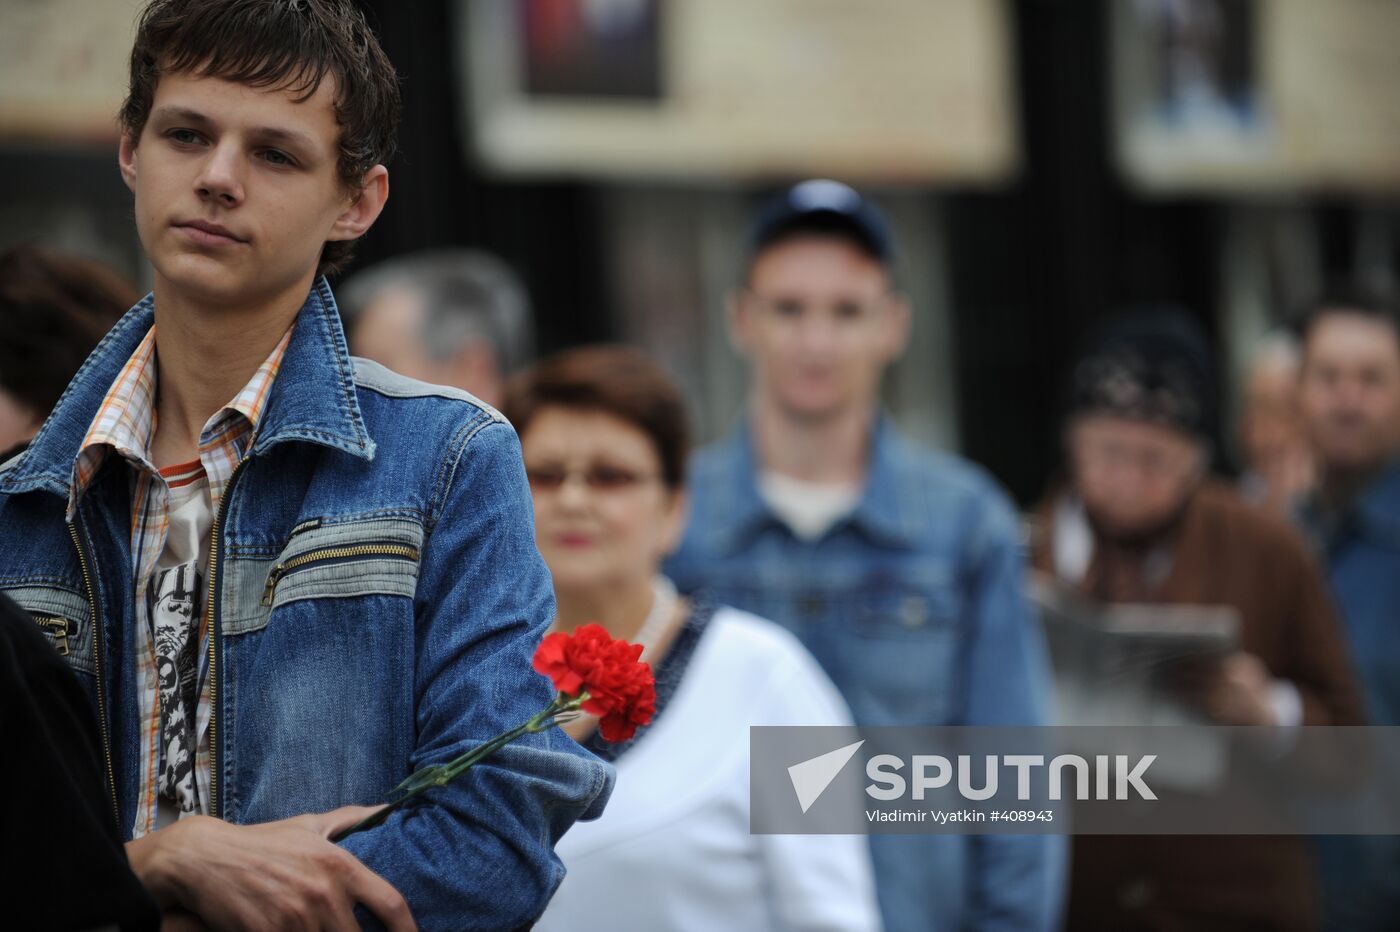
65,617
900,652
324,560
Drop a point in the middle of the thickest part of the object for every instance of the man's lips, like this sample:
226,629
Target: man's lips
208,234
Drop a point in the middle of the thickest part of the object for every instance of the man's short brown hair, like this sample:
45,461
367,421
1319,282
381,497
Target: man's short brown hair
284,44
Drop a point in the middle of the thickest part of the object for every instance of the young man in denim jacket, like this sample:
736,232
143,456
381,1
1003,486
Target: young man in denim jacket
287,578
898,568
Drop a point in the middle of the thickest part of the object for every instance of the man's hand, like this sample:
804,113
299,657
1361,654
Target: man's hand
278,875
1238,692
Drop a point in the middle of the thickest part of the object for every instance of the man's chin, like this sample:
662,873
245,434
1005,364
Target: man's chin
212,282
818,409
1353,463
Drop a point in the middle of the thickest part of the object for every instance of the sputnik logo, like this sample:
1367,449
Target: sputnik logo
811,777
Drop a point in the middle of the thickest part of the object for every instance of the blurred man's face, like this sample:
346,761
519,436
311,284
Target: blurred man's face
1272,425
1133,477
819,324
389,332
1351,393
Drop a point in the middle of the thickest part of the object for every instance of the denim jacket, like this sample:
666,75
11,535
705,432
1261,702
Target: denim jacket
1361,549
1362,552
914,606
376,598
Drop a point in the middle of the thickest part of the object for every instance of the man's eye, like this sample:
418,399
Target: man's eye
848,310
788,308
184,136
278,157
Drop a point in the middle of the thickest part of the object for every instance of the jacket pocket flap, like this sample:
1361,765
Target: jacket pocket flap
323,560
65,617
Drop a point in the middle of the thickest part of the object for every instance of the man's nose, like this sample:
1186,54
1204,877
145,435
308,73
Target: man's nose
819,332
219,179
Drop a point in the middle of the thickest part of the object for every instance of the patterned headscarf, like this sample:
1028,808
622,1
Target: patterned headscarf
1155,367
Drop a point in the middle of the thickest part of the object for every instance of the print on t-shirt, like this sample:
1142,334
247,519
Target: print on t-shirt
173,599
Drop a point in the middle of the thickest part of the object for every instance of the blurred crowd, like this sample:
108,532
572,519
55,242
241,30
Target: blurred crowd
815,566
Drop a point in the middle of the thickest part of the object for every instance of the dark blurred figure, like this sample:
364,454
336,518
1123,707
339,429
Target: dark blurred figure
899,568
1350,393
1278,462
61,852
53,310
1142,522
452,317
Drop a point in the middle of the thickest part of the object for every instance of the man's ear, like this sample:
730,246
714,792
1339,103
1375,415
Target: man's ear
900,317
361,212
126,159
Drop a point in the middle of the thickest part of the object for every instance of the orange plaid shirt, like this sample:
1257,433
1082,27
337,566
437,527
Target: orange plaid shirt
125,424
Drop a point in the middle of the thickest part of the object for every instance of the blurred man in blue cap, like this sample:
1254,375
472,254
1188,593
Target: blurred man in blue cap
898,567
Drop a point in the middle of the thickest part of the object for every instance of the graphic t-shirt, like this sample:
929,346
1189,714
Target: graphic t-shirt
174,602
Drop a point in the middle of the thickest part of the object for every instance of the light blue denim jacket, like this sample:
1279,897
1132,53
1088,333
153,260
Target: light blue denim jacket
377,598
914,605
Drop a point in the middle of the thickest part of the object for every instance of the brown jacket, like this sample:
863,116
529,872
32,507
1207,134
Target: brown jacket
1223,552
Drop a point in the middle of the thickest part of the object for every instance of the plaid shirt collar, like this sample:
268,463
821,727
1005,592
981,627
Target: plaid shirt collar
125,421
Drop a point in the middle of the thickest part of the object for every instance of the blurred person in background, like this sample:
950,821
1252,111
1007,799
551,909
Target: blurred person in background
1350,392
449,317
898,568
53,310
1141,521
1278,462
604,433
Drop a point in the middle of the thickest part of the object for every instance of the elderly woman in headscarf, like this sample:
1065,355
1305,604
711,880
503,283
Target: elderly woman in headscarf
1142,521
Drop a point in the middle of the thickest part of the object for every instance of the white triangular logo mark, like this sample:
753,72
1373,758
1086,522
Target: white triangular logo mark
811,777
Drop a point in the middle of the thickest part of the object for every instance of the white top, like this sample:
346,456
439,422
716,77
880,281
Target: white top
672,851
809,509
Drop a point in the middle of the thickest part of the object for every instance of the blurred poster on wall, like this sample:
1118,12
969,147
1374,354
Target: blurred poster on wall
903,90
1257,94
63,67
577,48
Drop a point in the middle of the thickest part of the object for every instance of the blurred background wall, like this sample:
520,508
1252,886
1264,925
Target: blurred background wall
1046,163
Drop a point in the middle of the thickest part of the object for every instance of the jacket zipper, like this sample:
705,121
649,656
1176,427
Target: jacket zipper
99,637
214,807
57,628
378,549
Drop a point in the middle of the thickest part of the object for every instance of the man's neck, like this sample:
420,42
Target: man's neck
1339,489
832,450
204,357
622,609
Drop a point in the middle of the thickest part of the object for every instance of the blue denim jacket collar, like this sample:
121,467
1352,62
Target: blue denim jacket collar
313,398
879,514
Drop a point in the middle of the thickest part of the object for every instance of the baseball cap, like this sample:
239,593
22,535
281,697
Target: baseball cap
825,207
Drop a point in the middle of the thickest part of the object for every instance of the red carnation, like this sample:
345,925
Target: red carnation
591,670
620,689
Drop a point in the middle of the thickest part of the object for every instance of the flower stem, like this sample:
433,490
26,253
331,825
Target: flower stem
436,775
